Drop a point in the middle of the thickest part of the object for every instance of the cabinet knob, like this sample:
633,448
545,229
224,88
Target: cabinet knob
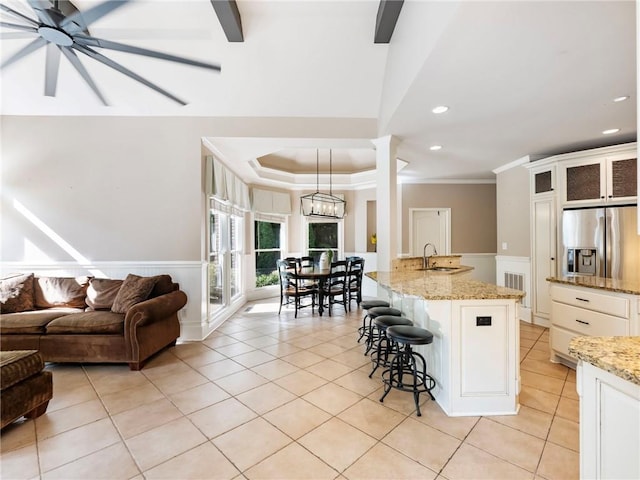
610,196
602,196
553,258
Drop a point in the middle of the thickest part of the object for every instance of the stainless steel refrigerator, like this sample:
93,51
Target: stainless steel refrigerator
601,241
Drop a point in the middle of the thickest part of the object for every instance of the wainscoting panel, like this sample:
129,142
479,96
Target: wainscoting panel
188,274
516,271
484,265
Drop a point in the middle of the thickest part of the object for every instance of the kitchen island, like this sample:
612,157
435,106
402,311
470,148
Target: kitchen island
608,383
475,354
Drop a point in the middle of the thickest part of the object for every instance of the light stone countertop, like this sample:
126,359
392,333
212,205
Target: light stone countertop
432,285
619,356
600,283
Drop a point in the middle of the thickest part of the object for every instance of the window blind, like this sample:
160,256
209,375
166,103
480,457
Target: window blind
269,202
225,185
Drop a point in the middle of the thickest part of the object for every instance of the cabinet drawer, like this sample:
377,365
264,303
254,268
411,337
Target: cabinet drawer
591,300
559,340
587,322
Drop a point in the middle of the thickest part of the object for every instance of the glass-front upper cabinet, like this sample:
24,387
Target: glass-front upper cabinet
544,181
611,179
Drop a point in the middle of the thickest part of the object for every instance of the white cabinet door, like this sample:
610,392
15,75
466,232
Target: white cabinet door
544,254
609,425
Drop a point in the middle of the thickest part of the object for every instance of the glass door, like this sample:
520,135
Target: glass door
225,257
216,284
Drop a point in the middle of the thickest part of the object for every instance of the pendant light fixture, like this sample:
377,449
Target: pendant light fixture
319,204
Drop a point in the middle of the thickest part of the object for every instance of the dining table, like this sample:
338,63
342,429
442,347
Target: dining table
316,274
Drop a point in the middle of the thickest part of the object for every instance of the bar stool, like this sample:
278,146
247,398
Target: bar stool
366,305
373,313
385,347
407,363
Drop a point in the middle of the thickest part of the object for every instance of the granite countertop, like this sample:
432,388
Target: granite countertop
617,355
432,285
601,283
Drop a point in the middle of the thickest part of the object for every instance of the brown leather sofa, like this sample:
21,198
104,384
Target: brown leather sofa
89,319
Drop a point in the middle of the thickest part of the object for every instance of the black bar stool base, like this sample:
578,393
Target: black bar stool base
385,348
408,373
373,335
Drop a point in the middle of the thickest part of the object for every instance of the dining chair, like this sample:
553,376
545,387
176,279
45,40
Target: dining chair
355,271
335,288
293,289
307,262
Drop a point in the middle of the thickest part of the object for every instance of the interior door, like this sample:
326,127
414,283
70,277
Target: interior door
430,225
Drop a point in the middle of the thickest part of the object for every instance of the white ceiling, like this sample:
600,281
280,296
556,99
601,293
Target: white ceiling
520,78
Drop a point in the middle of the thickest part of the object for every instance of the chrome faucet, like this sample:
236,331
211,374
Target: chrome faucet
425,259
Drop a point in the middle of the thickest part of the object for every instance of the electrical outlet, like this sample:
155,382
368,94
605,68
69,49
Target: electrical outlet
504,245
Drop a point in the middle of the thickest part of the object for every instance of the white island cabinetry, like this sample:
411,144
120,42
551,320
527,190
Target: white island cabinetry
609,388
475,354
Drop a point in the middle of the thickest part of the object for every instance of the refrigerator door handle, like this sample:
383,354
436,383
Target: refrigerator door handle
608,243
601,243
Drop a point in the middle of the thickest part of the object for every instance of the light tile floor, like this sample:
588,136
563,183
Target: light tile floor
273,397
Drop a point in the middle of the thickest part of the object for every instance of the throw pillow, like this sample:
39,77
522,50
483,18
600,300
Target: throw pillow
102,292
134,290
163,285
16,293
68,292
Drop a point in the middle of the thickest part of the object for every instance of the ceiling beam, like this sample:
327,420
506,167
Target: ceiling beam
388,12
229,17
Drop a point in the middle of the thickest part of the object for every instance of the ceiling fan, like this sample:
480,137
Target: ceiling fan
62,28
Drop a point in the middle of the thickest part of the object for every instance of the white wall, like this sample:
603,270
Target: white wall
101,189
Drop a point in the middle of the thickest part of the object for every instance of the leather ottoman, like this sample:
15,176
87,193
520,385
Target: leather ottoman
25,389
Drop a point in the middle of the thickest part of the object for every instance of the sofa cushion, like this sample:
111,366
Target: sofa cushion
98,322
134,289
16,293
18,365
33,322
60,292
102,292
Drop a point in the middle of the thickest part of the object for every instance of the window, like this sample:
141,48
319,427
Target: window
215,264
323,236
235,254
268,243
225,255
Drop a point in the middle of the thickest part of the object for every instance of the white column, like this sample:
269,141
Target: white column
386,201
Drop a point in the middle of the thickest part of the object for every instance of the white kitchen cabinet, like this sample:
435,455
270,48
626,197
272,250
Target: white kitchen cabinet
594,177
609,425
543,249
600,180
577,311
543,181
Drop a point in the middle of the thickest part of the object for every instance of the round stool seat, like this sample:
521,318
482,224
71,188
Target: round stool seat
410,335
367,304
379,311
386,321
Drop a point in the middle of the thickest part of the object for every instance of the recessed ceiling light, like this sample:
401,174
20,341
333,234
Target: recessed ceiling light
440,109
610,131
435,147
621,99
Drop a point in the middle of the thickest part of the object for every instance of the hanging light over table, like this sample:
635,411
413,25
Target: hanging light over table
319,204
